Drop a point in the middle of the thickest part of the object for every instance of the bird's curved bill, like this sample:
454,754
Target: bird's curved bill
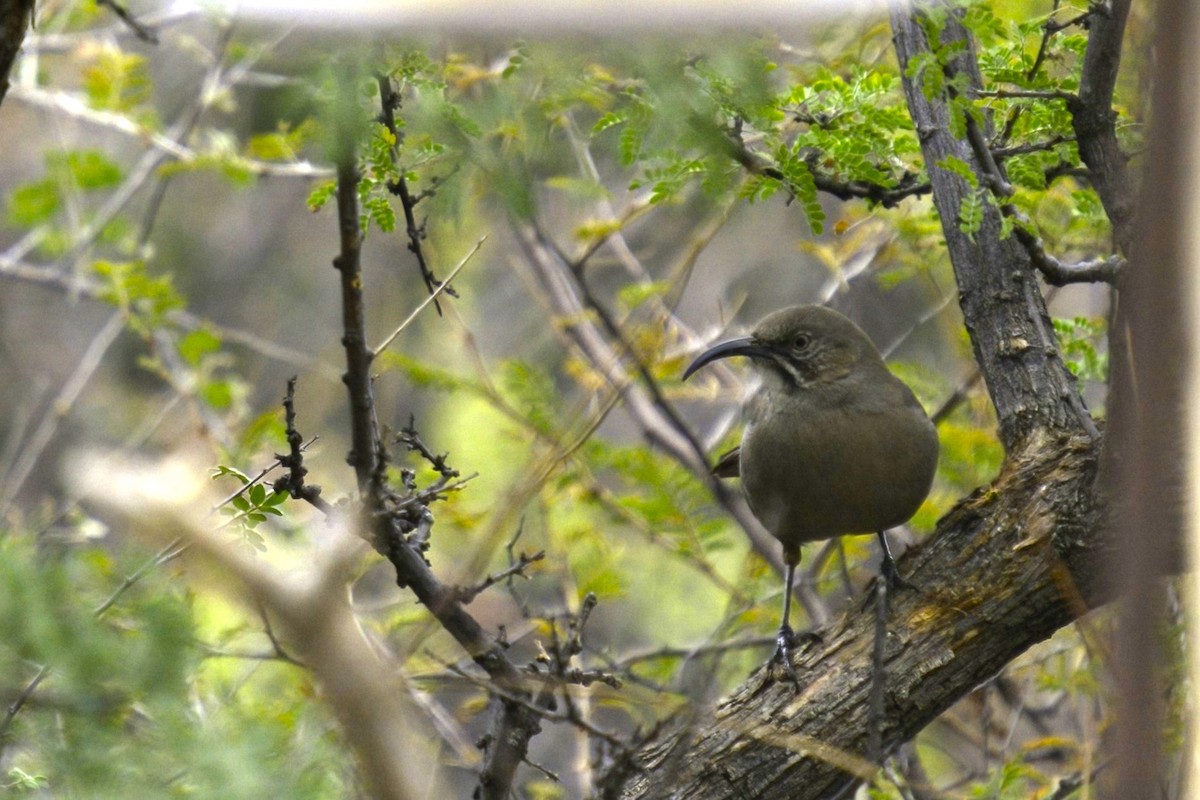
742,346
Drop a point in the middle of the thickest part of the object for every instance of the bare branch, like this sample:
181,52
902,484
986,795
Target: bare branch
468,593
76,107
443,286
1058,273
141,31
62,405
358,355
17,704
293,483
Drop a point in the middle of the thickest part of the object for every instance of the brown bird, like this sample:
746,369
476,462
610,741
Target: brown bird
834,443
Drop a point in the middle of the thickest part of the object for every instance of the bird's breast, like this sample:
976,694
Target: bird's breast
812,471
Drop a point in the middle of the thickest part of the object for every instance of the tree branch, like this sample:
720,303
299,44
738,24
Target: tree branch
389,528
139,30
389,101
1094,120
358,356
887,196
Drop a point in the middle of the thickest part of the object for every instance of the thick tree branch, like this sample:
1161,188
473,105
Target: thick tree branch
1003,309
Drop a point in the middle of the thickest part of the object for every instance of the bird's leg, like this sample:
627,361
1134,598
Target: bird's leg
786,638
888,569
889,580
878,677
889,574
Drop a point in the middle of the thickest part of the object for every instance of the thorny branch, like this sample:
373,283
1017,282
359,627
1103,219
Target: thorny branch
468,593
389,524
389,101
293,483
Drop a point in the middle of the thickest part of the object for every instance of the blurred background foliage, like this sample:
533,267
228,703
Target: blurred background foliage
165,256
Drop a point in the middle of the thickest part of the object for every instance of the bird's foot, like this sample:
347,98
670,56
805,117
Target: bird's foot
785,645
892,578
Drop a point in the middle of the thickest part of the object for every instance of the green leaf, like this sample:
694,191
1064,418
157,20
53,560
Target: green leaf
633,295
380,211
126,285
321,195
630,145
800,181
197,344
607,121
86,169
960,168
221,471
217,394
117,81
970,213
33,203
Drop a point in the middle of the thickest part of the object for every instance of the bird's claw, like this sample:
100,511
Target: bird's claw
892,581
785,645
892,578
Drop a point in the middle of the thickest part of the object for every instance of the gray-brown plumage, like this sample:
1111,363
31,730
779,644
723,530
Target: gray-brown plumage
834,443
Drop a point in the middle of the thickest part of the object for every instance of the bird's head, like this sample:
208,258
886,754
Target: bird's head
803,345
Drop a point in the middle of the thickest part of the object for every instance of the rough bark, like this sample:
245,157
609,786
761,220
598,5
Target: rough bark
1002,305
1005,568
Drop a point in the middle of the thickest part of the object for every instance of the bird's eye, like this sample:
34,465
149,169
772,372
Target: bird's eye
802,341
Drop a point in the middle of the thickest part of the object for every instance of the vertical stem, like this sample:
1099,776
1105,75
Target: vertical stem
1152,335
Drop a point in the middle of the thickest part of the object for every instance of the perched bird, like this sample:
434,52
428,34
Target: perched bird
834,443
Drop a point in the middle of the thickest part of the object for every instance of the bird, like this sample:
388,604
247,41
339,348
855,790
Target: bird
833,444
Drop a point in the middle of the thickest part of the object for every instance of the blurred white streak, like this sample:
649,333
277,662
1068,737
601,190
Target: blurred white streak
547,15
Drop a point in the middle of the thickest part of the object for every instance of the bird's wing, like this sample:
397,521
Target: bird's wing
729,465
